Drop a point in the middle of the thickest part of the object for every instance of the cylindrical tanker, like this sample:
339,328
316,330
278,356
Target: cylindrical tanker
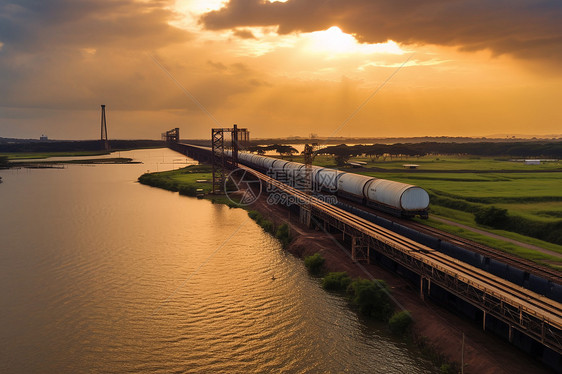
267,163
405,199
398,195
279,164
326,178
353,184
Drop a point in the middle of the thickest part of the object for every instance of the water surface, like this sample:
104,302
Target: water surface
99,274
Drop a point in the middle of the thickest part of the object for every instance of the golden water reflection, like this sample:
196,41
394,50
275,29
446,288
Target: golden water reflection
101,274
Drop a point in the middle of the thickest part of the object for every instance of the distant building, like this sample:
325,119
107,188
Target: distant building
410,166
43,138
532,162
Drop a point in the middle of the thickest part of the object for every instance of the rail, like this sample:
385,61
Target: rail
532,314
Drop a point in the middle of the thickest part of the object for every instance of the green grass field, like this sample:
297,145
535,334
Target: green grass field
185,181
438,163
455,163
533,200
188,176
537,195
523,190
462,185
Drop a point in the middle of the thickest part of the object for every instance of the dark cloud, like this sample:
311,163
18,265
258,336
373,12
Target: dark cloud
71,53
35,25
244,34
523,28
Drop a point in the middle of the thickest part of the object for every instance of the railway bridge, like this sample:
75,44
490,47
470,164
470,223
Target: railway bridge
519,311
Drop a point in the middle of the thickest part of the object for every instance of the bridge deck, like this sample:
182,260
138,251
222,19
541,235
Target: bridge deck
529,312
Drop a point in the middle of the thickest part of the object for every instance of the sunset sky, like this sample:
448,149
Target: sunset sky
280,68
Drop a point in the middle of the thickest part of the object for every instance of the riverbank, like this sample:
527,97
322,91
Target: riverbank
59,164
435,328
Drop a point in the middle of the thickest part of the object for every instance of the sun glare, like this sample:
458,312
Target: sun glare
335,41
198,6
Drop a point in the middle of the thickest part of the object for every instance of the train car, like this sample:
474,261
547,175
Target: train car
353,186
397,198
388,195
326,179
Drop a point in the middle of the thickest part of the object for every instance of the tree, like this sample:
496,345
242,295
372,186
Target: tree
285,150
341,159
372,298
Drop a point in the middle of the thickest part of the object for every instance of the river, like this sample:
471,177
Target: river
100,274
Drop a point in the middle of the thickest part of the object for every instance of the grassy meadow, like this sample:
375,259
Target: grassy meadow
461,186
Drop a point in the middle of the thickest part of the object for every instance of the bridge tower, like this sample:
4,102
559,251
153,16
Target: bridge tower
104,140
305,210
172,136
239,138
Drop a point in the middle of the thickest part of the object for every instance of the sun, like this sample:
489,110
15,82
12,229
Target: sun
198,6
335,41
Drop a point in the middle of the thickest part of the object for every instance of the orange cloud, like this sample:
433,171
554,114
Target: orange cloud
523,28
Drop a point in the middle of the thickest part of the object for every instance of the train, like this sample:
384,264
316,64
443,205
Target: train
399,199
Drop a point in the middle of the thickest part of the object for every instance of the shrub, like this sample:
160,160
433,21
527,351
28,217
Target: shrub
265,224
314,263
338,281
188,190
491,216
400,322
283,234
3,161
254,214
372,298
453,203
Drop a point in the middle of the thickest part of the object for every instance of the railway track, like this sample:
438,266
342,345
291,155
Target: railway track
523,264
525,300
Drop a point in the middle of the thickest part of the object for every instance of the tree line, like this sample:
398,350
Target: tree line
511,149
76,146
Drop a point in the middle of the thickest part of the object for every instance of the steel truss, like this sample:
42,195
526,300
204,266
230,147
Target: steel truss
220,161
501,308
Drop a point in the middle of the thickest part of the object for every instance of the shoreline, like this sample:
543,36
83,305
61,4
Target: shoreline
436,331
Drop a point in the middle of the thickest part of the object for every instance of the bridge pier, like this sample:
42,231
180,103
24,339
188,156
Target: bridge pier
305,216
422,291
359,249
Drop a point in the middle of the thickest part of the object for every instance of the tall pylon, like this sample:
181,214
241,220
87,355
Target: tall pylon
104,139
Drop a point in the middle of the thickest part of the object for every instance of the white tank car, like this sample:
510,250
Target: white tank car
400,198
398,195
326,178
354,184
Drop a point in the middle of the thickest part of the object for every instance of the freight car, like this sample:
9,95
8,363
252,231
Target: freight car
393,197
